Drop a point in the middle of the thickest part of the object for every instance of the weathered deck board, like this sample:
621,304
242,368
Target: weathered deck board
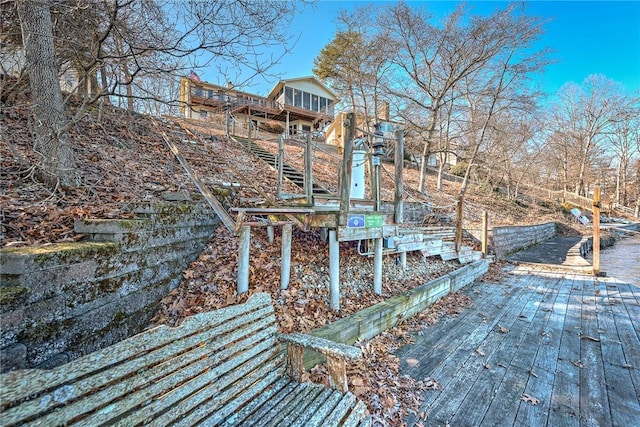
567,341
565,405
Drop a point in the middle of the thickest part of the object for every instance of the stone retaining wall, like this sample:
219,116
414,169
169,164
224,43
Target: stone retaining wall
509,239
65,300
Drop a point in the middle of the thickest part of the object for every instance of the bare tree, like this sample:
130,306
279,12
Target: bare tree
113,45
355,61
433,61
52,140
587,113
625,141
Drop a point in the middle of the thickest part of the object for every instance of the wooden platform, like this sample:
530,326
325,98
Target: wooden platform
540,348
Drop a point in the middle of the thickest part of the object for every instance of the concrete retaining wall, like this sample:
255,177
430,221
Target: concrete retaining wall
506,240
65,300
376,319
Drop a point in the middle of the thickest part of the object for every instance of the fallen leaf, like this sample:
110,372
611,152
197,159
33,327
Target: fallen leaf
502,329
529,399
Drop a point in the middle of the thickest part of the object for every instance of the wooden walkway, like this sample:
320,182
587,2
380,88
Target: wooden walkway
540,348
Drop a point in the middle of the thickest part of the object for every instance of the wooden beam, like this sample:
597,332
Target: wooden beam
208,196
459,224
285,258
334,271
399,176
596,230
345,172
244,245
308,170
485,233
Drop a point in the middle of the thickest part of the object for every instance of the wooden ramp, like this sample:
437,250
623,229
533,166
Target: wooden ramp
540,348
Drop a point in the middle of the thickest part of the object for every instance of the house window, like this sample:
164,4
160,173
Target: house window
323,104
203,114
288,96
297,98
198,91
314,102
329,107
306,128
307,100
210,94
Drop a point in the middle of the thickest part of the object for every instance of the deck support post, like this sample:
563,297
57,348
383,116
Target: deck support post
596,230
243,259
485,233
399,176
271,234
334,270
377,267
458,242
280,160
285,261
308,170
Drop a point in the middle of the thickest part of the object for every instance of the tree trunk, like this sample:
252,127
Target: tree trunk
52,141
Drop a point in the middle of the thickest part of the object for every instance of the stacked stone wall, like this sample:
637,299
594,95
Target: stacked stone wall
509,239
61,301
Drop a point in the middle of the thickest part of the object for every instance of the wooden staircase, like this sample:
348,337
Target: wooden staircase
289,172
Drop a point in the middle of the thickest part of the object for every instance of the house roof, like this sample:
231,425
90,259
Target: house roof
282,83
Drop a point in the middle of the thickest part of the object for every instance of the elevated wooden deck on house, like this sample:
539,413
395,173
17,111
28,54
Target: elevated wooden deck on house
540,348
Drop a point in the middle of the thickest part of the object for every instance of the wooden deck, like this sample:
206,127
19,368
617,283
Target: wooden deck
540,348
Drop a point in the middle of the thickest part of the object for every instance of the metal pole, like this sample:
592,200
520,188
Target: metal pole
377,267
334,270
285,267
243,259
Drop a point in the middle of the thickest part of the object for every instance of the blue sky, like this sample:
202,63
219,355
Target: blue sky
587,37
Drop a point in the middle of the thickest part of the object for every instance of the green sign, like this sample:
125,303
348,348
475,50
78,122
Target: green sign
373,221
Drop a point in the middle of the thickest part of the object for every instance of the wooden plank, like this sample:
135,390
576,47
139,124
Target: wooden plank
302,393
564,410
594,403
358,416
471,363
542,375
444,359
157,359
346,234
212,398
323,345
167,392
623,399
504,408
262,392
341,410
303,408
499,355
318,417
261,413
204,190
303,418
